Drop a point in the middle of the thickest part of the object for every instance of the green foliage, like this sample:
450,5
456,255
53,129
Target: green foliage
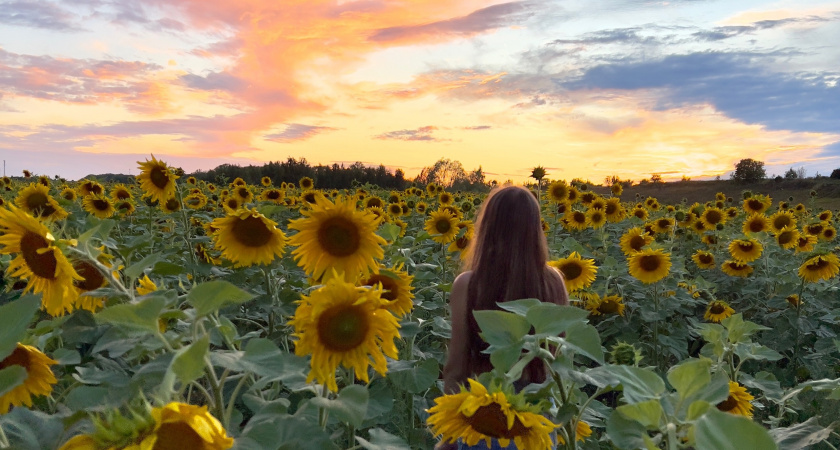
749,170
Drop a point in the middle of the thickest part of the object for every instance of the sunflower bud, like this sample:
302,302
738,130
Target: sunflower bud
625,354
746,194
679,215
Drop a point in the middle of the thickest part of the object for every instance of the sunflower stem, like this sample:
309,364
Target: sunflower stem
656,326
323,414
4,441
798,329
232,400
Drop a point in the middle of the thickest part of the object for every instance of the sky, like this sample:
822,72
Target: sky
585,88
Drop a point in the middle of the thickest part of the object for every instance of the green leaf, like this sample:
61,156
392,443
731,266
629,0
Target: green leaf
414,376
15,318
102,228
549,319
66,356
389,231
501,328
639,384
33,430
167,268
718,430
135,270
740,330
801,435
143,314
382,440
690,376
212,295
756,351
521,306
504,358
188,363
11,377
648,413
584,339
625,433
350,406
697,409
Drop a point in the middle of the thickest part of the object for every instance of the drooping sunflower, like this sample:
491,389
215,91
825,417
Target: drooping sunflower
247,237
736,268
711,217
272,195
595,218
755,223
746,250
99,206
479,414
649,265
396,289
442,225
558,191
611,304
787,237
820,267
35,199
342,324
633,240
579,273
805,243
156,179
703,259
738,401
336,235
38,260
793,300
781,220
92,279
39,377
575,220
718,310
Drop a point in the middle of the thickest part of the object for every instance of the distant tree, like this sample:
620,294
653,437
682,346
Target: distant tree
835,174
801,173
656,178
791,174
749,170
685,179
444,172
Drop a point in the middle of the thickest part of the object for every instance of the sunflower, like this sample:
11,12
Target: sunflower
306,183
342,324
709,239
379,216
374,202
421,207
121,192
617,189
171,205
717,311
611,304
578,273
587,198
805,243
649,265
781,220
573,195
757,204
703,259
125,208
265,181
736,268
445,198
575,220
614,211
336,235
746,250
395,209
478,414
595,218
634,239
231,204
558,191
738,401
156,180
582,431
38,261
793,300
35,199
238,181
272,195
92,279
663,225
825,215
68,194
640,213
196,200
98,205
755,223
247,237
787,237
242,193
39,378
814,229
820,267
87,187
396,289
146,286
828,233
711,217
442,225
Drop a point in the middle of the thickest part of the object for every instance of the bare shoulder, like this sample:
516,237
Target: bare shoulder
462,280
458,294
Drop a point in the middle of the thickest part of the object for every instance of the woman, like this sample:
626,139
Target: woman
506,261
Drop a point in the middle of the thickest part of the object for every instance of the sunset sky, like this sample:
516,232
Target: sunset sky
585,88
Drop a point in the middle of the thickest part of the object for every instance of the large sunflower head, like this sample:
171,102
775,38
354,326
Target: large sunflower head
99,206
757,204
247,237
649,265
745,250
39,377
595,218
38,260
442,225
781,220
336,235
820,267
787,237
35,199
718,310
756,223
170,205
575,220
156,179
483,415
614,210
396,289
341,324
578,273
738,401
558,191
634,239
711,217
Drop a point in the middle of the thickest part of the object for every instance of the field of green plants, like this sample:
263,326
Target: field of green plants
173,313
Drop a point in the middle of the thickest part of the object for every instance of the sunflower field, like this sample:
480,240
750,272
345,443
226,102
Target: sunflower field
172,313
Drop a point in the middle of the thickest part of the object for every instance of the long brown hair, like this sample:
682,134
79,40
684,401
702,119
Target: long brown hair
508,262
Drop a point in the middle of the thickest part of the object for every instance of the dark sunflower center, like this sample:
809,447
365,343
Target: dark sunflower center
273,195
390,290
754,204
597,217
579,217
815,229
745,247
103,205
650,263
817,265
374,202
756,226
735,266
664,223
489,420
705,258
395,209
462,242
443,226
339,236
558,192
19,357
41,264
717,309
177,436
233,203
828,233
243,192
173,204
251,232
608,307
713,217
122,194
781,222
640,213
610,208
785,237
571,270
39,203
343,328
700,226
159,176
728,405
637,242
93,278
